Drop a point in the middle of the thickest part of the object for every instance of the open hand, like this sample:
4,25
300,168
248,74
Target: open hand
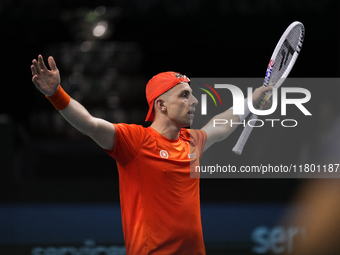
46,81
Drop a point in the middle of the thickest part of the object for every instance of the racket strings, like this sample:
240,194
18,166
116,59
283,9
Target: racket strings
291,44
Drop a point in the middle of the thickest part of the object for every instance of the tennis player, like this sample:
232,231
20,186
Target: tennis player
160,203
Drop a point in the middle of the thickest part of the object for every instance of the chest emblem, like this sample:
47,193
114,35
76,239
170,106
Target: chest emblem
164,154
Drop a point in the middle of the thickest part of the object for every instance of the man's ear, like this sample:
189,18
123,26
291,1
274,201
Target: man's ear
160,104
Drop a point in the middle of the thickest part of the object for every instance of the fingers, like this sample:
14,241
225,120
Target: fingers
38,66
33,70
266,105
266,89
52,63
35,80
41,63
35,67
34,75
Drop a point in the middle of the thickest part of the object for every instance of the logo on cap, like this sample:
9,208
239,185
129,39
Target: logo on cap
178,75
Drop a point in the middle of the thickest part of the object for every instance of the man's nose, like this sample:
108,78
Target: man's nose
193,101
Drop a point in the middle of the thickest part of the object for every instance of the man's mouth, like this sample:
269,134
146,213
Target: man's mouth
191,112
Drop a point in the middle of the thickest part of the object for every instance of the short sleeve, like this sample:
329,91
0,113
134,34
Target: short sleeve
128,141
198,137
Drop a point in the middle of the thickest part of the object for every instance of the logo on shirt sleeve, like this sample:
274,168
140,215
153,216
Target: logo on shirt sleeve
164,154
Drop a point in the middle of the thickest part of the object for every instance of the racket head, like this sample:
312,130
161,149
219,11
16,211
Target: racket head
284,57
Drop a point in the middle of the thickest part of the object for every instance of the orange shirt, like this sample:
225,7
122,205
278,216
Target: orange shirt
160,203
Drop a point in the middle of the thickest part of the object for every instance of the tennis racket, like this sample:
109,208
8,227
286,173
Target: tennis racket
281,63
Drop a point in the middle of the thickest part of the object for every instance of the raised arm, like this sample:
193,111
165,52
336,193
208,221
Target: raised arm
221,132
48,83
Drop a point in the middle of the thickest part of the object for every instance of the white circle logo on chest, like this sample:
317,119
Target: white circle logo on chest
164,154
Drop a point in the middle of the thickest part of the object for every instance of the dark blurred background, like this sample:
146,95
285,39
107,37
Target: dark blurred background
106,52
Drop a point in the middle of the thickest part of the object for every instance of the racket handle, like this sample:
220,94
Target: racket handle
238,148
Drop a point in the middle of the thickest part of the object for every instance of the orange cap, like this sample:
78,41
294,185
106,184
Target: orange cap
158,85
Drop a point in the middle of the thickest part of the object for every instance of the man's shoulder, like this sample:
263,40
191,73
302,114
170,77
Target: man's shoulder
188,133
129,126
131,130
